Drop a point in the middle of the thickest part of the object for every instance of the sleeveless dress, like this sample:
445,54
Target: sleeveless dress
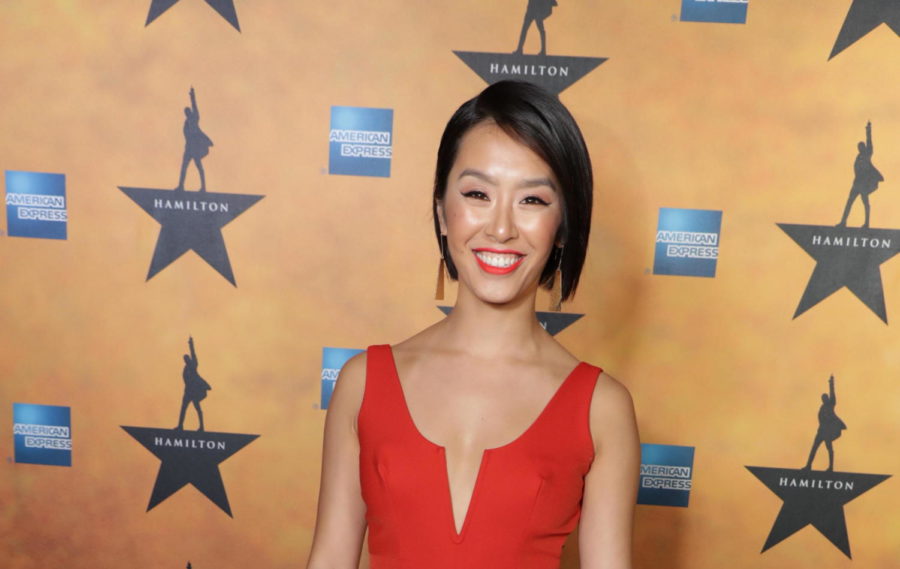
527,494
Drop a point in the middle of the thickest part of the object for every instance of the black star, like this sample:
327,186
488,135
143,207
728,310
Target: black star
552,322
845,257
225,8
863,17
813,497
191,221
543,70
189,457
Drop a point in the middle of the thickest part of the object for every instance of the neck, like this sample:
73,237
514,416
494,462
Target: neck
487,330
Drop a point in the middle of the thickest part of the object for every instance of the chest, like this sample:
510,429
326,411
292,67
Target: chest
468,410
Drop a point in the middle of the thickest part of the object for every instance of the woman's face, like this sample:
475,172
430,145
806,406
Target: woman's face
500,213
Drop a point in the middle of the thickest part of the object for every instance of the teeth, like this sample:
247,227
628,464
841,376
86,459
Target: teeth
499,260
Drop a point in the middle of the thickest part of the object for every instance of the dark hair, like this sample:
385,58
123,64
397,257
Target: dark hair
537,119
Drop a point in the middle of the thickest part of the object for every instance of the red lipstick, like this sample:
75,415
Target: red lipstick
498,270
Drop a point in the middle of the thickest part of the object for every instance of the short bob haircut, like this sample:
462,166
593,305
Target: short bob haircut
537,119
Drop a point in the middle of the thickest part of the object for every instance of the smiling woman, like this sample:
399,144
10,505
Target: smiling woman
503,212
500,193
481,442
535,121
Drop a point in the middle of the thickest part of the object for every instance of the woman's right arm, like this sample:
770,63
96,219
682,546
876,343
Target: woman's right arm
340,521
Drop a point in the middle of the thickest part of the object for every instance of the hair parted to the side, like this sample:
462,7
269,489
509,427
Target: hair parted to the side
537,119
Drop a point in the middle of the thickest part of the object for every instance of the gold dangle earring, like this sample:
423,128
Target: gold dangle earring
439,288
556,289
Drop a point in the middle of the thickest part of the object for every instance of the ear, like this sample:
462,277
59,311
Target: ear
442,220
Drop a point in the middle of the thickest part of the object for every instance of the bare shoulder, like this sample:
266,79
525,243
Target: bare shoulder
611,394
355,368
349,388
612,410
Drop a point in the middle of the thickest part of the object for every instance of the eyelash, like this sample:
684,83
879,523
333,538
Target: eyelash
530,200
477,194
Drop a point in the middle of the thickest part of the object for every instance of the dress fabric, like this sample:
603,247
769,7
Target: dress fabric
527,494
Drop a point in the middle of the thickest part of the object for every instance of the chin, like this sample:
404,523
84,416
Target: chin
500,291
500,298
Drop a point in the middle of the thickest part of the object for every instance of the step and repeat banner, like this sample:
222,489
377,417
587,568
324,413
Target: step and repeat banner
211,205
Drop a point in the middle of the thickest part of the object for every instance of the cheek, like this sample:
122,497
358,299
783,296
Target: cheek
461,221
543,229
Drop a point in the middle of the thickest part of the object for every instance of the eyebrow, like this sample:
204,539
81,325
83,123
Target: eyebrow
536,182
527,183
477,174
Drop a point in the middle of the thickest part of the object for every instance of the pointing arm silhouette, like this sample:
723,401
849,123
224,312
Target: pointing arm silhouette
193,353
869,138
194,105
831,387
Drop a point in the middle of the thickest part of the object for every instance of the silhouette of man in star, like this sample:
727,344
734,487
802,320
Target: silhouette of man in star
536,11
196,143
195,387
866,177
830,427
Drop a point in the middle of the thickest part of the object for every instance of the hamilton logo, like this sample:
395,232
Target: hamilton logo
552,322
863,17
849,256
552,72
191,220
190,457
224,8
816,497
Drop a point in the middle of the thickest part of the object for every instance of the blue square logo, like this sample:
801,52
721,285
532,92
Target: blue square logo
36,205
361,141
687,242
333,359
42,434
721,11
666,475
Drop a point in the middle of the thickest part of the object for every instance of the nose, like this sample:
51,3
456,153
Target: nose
502,223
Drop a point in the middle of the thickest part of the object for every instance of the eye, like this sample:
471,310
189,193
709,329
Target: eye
535,200
475,194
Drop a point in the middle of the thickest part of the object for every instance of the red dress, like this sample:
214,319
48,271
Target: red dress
527,495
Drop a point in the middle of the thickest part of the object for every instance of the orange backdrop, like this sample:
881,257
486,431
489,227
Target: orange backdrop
752,120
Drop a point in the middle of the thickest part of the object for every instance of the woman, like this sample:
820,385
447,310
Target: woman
480,441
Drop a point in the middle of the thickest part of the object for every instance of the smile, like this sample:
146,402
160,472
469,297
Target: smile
498,262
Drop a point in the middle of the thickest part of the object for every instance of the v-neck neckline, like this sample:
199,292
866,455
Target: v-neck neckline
459,534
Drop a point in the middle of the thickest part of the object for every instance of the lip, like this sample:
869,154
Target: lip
499,270
499,251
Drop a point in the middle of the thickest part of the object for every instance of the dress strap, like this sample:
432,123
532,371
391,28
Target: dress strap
378,359
382,400
570,409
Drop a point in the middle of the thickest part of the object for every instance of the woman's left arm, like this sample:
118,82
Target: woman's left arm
610,487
